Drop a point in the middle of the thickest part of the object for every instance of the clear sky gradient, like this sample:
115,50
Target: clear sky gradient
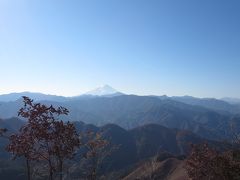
172,47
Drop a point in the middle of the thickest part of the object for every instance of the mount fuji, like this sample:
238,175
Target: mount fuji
104,90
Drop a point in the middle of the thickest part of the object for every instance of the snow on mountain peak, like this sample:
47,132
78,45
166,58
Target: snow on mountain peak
102,91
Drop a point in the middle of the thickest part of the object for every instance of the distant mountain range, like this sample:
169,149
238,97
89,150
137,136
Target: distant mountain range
231,100
103,91
108,91
36,96
209,118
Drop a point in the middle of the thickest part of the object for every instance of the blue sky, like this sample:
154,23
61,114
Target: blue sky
172,47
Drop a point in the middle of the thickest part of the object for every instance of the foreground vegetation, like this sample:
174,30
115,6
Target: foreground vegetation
46,143
51,148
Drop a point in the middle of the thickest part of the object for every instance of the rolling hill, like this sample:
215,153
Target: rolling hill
130,111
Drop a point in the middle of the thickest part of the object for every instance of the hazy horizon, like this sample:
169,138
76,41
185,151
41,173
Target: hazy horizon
172,48
125,93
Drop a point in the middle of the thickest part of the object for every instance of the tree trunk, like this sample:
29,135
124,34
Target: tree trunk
60,169
28,169
50,174
50,170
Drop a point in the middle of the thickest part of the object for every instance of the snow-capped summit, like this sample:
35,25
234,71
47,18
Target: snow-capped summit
105,90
